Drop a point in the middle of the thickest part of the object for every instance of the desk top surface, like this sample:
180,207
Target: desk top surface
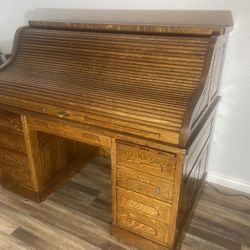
178,22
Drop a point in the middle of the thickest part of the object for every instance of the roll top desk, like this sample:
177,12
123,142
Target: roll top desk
144,95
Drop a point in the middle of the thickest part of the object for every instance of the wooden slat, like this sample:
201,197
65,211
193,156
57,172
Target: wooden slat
126,82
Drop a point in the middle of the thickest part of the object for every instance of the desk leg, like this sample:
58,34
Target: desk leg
34,159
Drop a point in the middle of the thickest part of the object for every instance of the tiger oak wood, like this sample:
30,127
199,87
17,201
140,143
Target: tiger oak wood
143,95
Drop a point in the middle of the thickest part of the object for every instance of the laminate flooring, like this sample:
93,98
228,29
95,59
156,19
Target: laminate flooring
77,216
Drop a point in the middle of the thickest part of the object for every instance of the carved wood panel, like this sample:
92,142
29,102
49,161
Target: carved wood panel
154,162
143,205
146,184
142,225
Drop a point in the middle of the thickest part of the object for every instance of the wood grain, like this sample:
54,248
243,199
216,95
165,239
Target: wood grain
144,183
159,25
166,81
150,161
139,204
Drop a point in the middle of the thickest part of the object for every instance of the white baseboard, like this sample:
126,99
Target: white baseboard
237,184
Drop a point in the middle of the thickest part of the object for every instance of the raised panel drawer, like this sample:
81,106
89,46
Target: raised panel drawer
17,176
143,205
10,121
12,141
14,159
142,225
147,160
146,184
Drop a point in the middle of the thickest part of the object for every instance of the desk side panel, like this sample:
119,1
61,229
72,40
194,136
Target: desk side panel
194,172
210,84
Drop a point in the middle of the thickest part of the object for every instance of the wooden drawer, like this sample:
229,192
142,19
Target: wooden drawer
147,160
143,205
145,184
17,176
10,121
14,159
71,132
12,141
142,225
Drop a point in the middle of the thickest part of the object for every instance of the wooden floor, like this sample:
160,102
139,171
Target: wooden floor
78,215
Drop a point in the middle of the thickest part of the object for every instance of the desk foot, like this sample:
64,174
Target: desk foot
20,190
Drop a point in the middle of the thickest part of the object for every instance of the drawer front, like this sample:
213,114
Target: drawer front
147,160
10,121
143,205
70,132
11,158
22,178
142,225
146,184
12,141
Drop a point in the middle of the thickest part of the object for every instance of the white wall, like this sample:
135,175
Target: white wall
229,161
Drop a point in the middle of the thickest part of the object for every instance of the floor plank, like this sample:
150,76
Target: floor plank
10,242
78,216
6,226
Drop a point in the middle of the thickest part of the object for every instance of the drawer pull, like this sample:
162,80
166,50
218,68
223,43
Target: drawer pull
63,114
157,191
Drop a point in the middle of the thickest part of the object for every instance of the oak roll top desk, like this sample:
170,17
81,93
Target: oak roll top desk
142,94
